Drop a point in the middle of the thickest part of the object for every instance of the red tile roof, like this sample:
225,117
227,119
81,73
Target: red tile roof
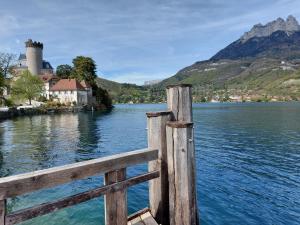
67,85
47,77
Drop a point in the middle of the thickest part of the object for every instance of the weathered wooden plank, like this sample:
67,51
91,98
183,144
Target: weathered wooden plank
29,213
115,202
158,188
148,219
143,217
138,213
137,221
181,169
179,100
2,212
20,184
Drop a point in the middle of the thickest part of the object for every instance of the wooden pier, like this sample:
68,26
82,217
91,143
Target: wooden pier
171,161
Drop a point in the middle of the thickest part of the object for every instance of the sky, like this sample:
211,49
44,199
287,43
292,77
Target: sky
134,41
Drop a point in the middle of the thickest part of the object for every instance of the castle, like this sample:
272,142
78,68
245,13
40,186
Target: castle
33,60
61,90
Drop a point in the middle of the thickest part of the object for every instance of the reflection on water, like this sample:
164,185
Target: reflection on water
248,159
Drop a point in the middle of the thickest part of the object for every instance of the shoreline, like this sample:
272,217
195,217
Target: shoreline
14,112
151,103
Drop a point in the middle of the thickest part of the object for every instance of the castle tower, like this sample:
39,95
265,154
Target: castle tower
34,56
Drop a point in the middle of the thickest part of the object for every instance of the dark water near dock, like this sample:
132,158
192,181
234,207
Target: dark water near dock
248,160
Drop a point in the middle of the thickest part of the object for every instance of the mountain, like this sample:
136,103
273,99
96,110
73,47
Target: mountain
264,64
277,39
130,93
289,26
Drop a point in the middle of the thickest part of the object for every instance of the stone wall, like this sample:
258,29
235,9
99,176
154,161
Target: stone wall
14,112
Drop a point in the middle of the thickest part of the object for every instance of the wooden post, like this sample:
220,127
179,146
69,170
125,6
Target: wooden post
115,202
181,171
2,211
179,100
181,157
158,188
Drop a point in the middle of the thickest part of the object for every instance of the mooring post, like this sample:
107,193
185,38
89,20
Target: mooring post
115,202
179,100
158,188
2,211
181,171
181,157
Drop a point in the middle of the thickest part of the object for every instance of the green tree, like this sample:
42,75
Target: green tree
27,86
2,83
7,60
103,97
84,69
64,71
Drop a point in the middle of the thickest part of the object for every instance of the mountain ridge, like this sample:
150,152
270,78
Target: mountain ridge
290,25
264,64
276,39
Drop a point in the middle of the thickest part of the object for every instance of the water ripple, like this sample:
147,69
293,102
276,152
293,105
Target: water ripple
248,159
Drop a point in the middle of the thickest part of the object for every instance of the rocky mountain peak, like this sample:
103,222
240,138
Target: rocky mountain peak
289,25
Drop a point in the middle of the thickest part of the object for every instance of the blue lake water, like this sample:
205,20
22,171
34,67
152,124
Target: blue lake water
248,160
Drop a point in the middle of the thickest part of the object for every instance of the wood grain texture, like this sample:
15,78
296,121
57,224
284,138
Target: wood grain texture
115,202
159,188
155,114
181,169
2,211
179,124
137,221
39,210
148,219
20,184
179,101
143,217
138,213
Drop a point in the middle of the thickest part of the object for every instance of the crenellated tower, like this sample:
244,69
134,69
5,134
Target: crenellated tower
34,56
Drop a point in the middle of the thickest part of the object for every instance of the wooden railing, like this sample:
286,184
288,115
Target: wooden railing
171,161
113,168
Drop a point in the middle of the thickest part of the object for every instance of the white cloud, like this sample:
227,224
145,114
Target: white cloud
8,25
155,38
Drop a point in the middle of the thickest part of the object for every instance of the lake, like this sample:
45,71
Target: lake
247,157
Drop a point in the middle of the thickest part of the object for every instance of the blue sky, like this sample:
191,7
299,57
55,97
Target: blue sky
134,40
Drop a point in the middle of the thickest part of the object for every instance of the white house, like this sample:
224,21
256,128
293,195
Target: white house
89,91
70,91
49,81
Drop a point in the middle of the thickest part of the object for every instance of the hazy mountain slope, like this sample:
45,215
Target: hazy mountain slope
130,93
278,45
264,62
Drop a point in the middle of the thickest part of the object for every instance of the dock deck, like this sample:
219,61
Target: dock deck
143,217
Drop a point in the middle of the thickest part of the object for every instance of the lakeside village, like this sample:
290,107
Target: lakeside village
32,83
